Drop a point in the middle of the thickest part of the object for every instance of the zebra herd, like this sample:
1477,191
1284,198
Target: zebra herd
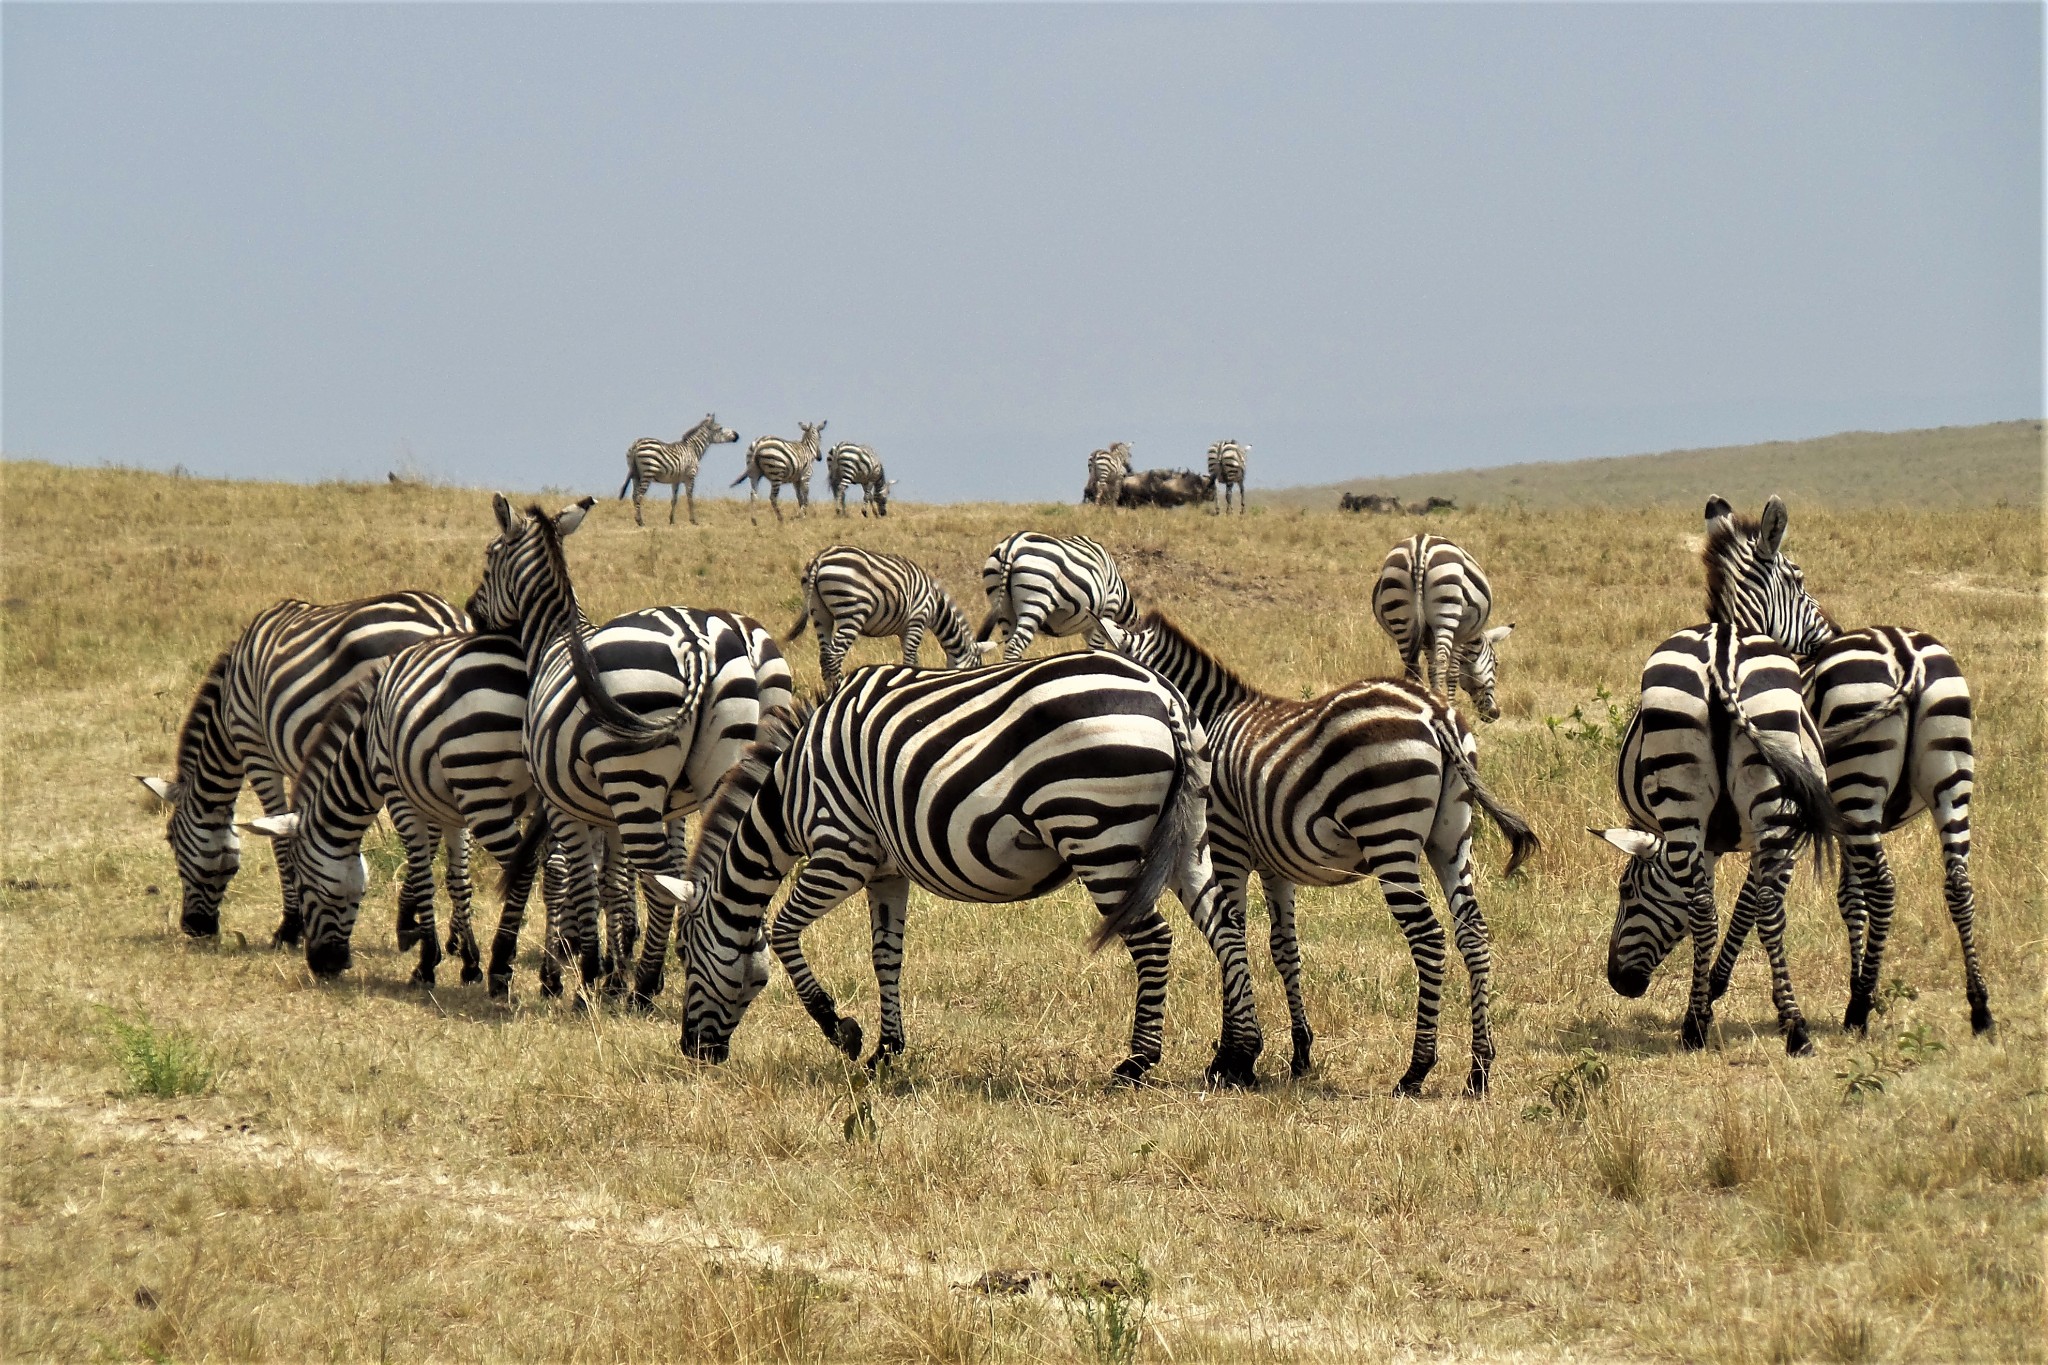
1112,483
572,753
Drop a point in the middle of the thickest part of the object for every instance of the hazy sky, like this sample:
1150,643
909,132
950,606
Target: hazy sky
502,241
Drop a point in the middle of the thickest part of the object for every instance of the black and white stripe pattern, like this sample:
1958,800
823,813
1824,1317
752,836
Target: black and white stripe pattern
251,721
651,461
1062,586
1433,600
782,462
1106,471
992,786
1226,467
850,592
1895,716
1721,757
855,466
1374,779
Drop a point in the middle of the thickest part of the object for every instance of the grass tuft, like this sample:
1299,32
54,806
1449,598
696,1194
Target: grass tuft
160,1063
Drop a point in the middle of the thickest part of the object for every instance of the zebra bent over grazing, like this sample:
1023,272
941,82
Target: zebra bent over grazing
1064,586
1371,780
251,720
850,592
1433,600
993,786
852,466
435,740
651,461
782,462
1895,717
1226,467
1721,757
1106,470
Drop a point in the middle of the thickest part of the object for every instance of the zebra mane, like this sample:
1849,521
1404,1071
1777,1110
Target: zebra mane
617,720
1229,685
1728,542
703,427
199,715
734,796
332,731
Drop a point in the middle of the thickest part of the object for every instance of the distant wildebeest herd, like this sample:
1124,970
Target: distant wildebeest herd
573,752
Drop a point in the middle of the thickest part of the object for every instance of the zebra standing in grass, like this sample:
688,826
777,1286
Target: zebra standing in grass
854,466
651,461
992,786
782,462
1226,467
850,592
434,739
1720,757
1063,586
1106,471
251,720
1433,600
1373,780
1895,717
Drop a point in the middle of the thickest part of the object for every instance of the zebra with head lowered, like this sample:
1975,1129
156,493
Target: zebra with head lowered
994,786
1063,586
651,461
1433,600
782,462
855,466
1106,471
1720,757
1226,467
1373,780
251,721
850,592
1895,718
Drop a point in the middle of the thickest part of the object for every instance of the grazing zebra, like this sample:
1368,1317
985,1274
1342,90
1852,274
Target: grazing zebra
993,786
1374,780
1106,470
782,462
1895,717
251,720
434,739
651,461
850,592
1721,757
1433,600
1226,467
849,466
1064,586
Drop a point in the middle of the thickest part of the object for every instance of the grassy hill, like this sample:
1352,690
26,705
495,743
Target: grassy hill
1999,464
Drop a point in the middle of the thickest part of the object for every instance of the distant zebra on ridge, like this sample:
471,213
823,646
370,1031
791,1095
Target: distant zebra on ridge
782,462
1063,586
1106,471
849,466
1433,600
651,461
850,592
1226,467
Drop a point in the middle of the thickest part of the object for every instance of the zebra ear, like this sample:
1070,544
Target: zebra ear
272,826
503,509
1771,526
1633,842
571,517
681,890
1719,512
1499,633
163,791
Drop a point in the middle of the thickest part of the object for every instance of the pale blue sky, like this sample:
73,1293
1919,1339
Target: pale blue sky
508,239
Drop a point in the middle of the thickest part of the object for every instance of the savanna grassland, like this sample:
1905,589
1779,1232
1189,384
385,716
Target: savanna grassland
210,1155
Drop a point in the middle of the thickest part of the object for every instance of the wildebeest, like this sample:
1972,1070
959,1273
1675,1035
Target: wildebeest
1164,488
1368,502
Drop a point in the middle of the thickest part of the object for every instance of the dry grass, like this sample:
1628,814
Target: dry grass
374,1172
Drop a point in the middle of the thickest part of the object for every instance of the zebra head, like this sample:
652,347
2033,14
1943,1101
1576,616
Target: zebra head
726,970
523,574
715,435
1754,586
1653,914
205,848
1478,671
331,885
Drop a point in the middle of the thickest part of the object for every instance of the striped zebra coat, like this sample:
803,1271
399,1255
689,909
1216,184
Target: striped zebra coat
1721,757
1226,468
435,740
251,721
850,592
1433,600
850,466
1374,779
993,786
1895,716
780,462
651,461
1106,471
1064,586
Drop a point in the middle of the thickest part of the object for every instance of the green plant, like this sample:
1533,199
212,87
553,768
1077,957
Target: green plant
1864,1076
859,1125
1108,1314
159,1062
1572,1085
1918,1044
1601,727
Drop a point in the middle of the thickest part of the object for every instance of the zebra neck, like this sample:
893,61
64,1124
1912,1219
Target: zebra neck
949,624
341,798
554,612
1210,688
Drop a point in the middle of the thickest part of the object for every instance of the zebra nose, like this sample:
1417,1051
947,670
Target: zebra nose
1629,982
328,957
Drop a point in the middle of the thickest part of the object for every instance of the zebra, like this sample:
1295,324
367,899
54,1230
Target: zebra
1226,467
850,592
250,721
1433,600
992,786
1063,586
1374,779
651,461
1106,470
1895,715
848,466
1721,756
434,738
782,462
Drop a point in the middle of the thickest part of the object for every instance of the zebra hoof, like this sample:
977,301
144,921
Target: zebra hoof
1797,1044
423,976
640,1001
883,1057
1981,1021
1132,1071
1476,1082
1692,1034
1299,1066
471,973
713,1053
1856,1019
500,987
1717,986
846,1036
1232,1068
1405,1089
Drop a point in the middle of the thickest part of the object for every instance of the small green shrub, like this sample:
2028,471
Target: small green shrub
1108,1314
163,1063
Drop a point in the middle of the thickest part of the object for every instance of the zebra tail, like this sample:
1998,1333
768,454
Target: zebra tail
987,629
1182,819
616,720
803,618
1909,686
627,484
1522,840
1804,785
740,480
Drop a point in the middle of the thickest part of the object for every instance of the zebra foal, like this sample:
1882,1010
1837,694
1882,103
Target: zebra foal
1433,600
850,592
1063,586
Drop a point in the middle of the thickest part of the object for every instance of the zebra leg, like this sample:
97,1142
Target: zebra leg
1768,877
455,848
1695,871
774,496
1150,943
572,934
617,902
639,495
690,496
1739,924
1285,947
416,896
1222,923
888,907
832,651
507,844
675,495
1865,886
913,640
276,799
1023,629
829,878
1947,791
555,894
1468,924
1411,910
